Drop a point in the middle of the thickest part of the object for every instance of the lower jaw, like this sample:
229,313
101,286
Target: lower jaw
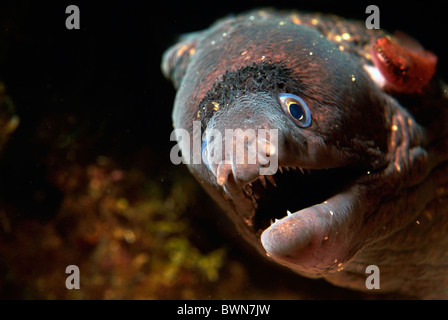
320,239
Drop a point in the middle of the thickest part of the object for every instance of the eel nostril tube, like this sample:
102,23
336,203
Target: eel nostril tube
266,148
222,173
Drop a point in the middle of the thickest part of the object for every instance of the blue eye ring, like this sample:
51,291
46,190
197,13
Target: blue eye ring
296,108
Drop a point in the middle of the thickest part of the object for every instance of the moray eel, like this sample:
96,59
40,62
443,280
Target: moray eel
361,144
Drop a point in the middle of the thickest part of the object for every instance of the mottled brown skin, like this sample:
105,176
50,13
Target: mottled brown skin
392,212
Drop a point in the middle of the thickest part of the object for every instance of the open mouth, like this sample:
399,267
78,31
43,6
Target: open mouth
292,189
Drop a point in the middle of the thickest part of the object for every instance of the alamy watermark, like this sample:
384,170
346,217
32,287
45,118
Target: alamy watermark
73,280
73,20
373,20
373,280
234,147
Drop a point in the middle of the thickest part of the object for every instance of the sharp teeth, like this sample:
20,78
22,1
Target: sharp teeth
226,193
274,221
222,173
287,168
281,169
301,170
263,181
271,180
288,212
247,190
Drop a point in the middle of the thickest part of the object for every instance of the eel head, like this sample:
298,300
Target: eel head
299,144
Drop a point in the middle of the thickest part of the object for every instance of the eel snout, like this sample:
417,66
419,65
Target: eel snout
242,143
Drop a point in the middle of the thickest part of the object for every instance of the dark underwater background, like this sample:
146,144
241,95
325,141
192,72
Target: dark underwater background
85,173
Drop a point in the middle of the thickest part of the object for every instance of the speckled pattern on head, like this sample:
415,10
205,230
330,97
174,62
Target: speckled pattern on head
366,183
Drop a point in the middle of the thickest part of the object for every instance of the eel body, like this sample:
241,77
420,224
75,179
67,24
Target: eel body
355,122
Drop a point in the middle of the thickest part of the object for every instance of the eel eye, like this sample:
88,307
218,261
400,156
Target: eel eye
296,108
